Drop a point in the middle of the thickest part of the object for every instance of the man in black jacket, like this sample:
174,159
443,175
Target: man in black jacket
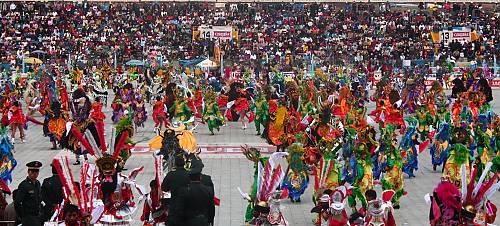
52,194
195,202
175,179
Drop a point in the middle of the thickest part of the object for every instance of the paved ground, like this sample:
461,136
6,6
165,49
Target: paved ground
232,170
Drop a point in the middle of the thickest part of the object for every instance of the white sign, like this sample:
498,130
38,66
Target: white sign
216,32
460,34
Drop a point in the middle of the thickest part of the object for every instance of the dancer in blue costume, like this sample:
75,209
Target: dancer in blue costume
441,146
297,179
409,150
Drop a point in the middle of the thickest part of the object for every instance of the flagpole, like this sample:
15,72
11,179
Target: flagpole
221,64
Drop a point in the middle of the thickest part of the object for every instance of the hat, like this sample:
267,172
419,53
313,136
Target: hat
34,165
196,166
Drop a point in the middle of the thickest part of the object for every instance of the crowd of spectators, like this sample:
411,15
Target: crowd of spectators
337,34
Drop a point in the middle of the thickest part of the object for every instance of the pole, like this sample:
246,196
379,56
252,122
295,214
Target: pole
495,66
221,64
23,63
115,63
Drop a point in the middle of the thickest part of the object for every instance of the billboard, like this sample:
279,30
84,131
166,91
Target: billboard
215,32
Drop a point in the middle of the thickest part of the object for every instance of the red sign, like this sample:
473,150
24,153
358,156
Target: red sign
222,34
495,83
458,34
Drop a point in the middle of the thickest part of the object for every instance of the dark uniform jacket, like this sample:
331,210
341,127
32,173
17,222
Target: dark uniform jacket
52,195
175,180
193,204
28,201
207,181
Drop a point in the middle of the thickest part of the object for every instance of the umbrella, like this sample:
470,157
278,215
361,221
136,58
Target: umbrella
32,60
135,63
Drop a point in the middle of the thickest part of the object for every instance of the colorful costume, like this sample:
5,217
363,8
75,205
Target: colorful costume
54,124
81,122
393,178
140,113
253,154
8,163
380,211
266,204
181,111
441,146
212,114
459,154
409,150
261,114
296,179
471,205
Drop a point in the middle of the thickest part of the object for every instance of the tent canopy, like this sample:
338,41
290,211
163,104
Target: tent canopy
134,63
207,64
195,61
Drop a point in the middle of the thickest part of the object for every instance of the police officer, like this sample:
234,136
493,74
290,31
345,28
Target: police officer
29,198
52,194
194,201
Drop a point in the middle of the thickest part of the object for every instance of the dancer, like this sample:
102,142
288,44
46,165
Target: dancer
54,124
296,179
140,113
261,114
17,121
81,121
393,178
211,113
159,116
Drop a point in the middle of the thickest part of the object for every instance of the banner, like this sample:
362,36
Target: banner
215,32
459,34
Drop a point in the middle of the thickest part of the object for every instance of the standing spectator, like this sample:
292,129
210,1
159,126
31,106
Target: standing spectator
10,212
195,201
175,180
28,200
52,194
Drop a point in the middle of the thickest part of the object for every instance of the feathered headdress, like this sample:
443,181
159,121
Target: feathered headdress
269,180
77,193
474,194
326,167
118,141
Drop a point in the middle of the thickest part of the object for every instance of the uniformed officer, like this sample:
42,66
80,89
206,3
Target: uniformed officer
194,201
29,198
52,194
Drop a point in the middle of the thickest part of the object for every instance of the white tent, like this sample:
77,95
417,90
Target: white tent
207,64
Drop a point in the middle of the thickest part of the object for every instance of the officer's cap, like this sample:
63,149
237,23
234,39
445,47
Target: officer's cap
34,165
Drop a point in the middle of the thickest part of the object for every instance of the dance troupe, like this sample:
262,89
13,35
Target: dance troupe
323,129
319,124
103,194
